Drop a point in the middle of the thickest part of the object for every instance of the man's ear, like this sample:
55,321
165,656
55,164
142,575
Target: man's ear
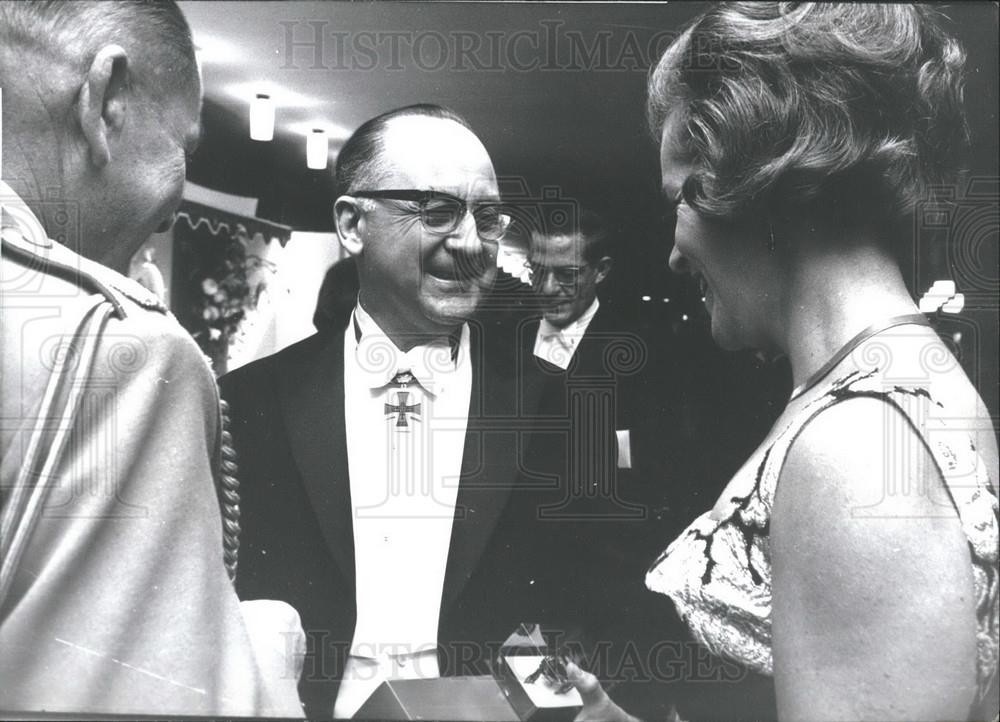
348,219
103,101
603,268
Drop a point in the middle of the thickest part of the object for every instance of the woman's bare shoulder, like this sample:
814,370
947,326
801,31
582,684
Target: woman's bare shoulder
872,576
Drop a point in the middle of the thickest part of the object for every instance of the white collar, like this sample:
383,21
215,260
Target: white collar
18,216
557,345
433,364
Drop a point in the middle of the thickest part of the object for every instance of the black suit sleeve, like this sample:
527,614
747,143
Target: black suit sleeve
282,551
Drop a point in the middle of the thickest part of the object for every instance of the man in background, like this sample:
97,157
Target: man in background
566,270
607,477
114,597
590,366
375,470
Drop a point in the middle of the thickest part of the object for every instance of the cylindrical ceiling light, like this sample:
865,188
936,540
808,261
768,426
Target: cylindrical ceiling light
317,149
262,117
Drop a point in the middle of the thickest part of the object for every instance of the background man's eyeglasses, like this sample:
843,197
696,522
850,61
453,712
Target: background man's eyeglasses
443,213
565,276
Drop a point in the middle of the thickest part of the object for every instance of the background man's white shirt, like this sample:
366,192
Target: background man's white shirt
557,345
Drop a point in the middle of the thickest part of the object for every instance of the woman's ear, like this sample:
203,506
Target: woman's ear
103,102
348,218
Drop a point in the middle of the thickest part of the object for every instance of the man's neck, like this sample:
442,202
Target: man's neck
405,337
51,211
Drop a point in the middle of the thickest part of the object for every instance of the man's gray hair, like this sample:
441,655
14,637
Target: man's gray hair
154,35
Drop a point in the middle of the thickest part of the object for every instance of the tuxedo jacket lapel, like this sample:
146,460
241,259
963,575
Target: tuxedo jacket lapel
590,359
488,466
311,392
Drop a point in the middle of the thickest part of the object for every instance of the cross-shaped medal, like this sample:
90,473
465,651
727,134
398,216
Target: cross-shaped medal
401,407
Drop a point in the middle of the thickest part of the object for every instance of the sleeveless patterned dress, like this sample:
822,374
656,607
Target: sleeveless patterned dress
718,572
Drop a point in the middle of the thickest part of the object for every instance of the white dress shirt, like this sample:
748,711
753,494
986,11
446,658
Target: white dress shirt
404,453
557,345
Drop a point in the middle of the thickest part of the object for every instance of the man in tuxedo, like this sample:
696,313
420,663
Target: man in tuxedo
566,270
582,350
373,455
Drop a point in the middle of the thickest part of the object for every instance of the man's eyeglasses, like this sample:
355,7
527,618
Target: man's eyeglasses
565,276
443,213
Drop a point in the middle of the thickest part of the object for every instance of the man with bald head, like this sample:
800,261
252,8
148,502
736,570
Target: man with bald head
375,474
114,596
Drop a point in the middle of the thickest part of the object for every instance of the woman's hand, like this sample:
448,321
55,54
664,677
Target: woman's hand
597,706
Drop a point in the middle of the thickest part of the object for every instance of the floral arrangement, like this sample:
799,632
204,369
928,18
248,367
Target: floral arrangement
223,291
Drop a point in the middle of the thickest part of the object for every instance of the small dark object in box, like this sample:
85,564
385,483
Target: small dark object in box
535,681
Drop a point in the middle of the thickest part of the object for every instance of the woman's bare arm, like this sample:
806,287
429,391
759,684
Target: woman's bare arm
873,612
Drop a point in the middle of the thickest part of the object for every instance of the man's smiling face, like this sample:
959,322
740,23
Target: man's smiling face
555,260
427,281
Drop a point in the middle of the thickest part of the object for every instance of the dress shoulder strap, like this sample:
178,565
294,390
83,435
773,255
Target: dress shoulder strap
967,481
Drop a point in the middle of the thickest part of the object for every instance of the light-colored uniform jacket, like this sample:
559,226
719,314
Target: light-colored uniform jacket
121,602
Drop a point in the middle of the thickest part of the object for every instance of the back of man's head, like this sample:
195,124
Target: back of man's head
101,107
54,34
360,163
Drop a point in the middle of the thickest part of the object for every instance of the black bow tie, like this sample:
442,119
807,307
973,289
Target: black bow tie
454,339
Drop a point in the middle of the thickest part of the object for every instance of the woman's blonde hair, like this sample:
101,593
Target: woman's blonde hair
843,110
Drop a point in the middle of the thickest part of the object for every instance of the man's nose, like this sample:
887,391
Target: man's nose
548,285
465,238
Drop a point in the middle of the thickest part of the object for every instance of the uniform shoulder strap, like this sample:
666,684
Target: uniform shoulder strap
50,434
59,261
